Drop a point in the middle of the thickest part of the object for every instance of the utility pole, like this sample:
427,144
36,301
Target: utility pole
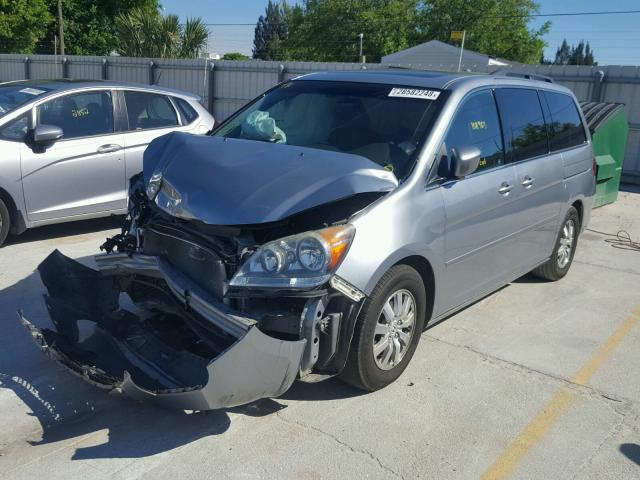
361,57
464,34
61,26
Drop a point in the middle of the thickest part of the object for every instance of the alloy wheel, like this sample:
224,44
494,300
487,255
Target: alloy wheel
566,243
394,329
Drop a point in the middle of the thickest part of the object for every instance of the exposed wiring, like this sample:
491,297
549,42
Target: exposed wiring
621,240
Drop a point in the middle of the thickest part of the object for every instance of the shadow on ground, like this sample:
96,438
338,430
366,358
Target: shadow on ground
629,187
67,408
631,451
48,232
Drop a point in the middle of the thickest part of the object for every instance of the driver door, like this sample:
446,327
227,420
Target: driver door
83,173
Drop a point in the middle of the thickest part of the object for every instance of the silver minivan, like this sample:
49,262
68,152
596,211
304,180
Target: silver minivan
67,147
318,230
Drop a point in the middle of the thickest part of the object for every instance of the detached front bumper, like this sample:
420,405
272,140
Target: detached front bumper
195,354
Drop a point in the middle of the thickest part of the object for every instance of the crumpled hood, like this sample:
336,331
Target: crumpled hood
239,182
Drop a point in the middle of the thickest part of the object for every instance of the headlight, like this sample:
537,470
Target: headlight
305,260
154,185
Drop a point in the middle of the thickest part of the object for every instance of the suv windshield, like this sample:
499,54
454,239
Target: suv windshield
14,96
385,123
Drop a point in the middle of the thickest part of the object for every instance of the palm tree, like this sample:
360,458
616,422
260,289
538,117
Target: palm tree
195,36
148,33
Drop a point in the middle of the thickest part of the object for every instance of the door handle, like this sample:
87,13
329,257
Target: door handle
528,182
108,148
504,189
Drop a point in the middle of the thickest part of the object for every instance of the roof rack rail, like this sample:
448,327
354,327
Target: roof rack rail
528,76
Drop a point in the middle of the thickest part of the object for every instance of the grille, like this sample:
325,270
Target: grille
199,263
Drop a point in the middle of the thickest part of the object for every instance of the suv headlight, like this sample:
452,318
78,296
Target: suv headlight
154,185
305,260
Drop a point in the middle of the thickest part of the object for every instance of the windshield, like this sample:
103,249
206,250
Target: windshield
14,96
385,123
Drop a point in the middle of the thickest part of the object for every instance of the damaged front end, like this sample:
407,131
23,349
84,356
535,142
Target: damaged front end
178,311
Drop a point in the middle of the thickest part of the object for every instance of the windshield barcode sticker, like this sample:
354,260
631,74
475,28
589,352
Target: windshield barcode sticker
32,91
414,93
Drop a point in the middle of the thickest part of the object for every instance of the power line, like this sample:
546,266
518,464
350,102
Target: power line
537,15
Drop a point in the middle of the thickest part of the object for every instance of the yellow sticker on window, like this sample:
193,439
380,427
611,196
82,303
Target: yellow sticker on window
482,162
479,125
80,112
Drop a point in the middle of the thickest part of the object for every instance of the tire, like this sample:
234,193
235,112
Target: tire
559,263
363,370
5,222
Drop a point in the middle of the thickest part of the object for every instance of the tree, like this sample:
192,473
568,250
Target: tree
494,27
234,56
89,25
580,54
329,30
563,54
22,24
270,31
147,33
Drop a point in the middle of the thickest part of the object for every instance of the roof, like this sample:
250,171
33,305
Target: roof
427,79
410,78
64,84
437,53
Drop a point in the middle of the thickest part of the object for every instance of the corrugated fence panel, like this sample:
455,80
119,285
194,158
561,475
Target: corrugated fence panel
129,69
234,83
626,89
46,66
186,75
89,68
11,67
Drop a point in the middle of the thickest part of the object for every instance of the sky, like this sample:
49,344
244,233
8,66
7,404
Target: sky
615,39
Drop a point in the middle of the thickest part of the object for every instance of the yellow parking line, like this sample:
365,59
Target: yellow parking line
560,403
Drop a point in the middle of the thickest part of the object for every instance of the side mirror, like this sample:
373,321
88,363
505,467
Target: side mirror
465,161
44,134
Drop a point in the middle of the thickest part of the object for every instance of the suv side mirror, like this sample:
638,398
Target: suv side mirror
465,161
44,134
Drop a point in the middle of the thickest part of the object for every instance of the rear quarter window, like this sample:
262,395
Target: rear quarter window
565,126
525,131
187,112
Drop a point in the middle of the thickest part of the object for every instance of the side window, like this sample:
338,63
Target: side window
566,129
187,111
525,132
149,110
15,130
80,114
476,124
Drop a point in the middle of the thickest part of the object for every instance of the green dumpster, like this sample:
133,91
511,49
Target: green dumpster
609,129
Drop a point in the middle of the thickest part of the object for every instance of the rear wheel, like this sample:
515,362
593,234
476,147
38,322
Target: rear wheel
560,262
5,222
388,330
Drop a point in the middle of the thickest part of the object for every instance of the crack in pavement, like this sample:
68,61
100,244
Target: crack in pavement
607,267
612,401
340,442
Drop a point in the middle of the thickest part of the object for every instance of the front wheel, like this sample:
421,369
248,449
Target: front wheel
388,330
565,248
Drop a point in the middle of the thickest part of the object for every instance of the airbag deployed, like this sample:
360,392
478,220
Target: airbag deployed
162,354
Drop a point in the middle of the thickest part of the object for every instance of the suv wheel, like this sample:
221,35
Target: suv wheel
5,222
562,257
388,330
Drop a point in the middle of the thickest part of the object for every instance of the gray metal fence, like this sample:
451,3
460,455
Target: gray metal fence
227,85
